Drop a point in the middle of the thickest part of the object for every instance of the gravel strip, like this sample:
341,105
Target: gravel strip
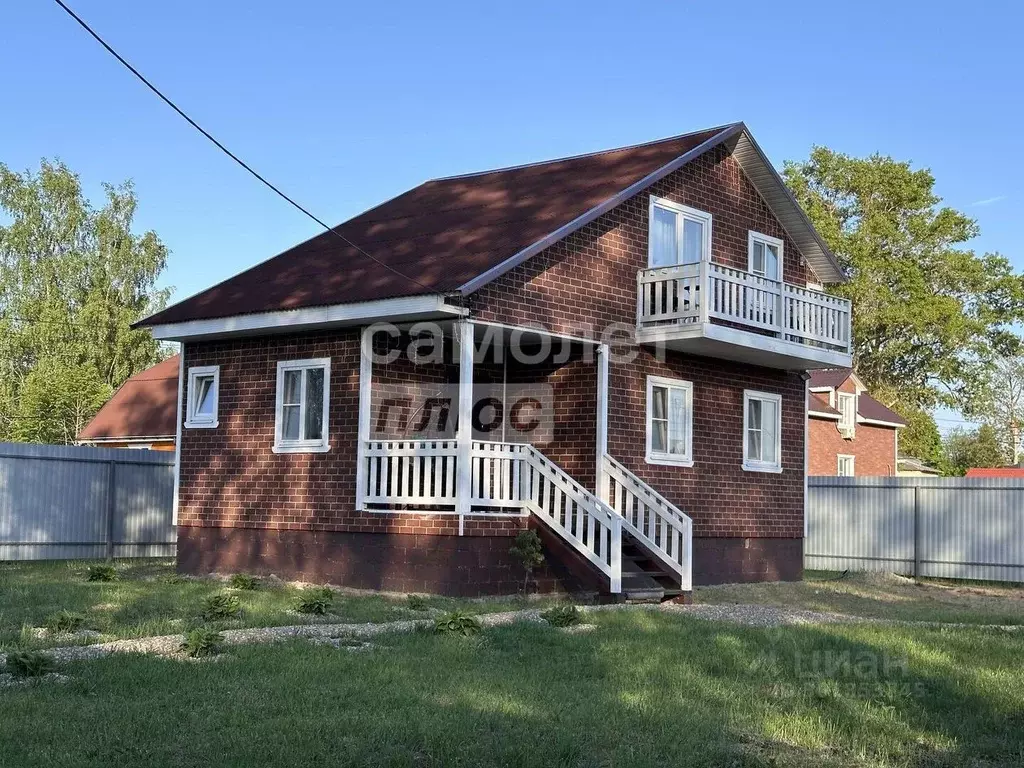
760,615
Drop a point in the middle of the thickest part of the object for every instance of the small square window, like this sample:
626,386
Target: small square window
669,421
762,431
302,406
764,256
203,396
845,466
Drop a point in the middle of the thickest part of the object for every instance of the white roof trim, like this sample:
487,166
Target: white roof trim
153,439
877,422
516,259
823,415
402,309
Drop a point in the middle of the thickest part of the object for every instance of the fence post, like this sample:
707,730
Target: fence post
917,531
111,506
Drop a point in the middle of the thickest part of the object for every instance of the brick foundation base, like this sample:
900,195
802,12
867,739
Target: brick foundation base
466,566
735,560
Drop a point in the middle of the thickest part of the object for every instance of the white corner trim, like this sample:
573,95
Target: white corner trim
177,435
302,446
359,313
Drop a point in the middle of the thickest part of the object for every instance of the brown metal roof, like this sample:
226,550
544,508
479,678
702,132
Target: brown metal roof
830,377
441,234
819,404
144,406
869,408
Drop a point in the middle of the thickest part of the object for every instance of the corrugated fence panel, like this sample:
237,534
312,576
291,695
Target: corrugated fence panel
63,502
966,528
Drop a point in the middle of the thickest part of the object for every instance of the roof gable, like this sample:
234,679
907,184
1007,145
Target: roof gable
454,235
144,406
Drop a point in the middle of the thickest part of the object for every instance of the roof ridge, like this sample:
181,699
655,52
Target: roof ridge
471,174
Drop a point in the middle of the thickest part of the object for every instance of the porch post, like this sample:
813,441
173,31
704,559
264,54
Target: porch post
600,479
365,380
464,437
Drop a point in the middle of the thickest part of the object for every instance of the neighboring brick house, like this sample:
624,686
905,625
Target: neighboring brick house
141,413
851,433
611,349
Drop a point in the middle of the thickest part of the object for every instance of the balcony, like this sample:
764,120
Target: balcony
716,311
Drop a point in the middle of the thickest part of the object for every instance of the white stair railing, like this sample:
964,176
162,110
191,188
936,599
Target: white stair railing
574,513
657,524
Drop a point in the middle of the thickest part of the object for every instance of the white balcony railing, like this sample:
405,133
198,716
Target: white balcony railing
692,293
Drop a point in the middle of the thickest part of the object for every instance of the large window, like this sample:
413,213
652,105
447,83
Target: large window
678,234
762,431
845,466
203,393
302,406
847,411
764,255
669,421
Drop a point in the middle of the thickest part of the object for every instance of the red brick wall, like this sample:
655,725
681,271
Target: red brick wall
873,447
590,276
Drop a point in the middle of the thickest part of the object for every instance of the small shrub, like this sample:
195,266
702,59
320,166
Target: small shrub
315,600
221,606
457,623
562,616
202,641
244,581
417,602
29,663
64,622
527,550
104,572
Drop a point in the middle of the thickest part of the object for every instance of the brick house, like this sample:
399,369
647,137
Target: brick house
611,349
851,433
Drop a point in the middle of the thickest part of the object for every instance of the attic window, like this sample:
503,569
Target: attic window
678,234
847,410
203,394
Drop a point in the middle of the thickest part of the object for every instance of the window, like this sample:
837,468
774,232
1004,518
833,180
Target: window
762,427
847,411
764,255
302,404
669,421
203,394
845,468
678,234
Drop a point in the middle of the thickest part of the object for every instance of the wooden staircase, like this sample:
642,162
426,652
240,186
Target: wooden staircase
644,578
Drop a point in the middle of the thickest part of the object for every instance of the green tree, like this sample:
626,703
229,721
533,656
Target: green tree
972,448
929,316
999,402
73,278
920,438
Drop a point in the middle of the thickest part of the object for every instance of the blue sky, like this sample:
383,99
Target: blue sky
344,105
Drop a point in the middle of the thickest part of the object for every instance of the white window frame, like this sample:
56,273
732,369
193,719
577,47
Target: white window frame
665,458
758,237
202,421
852,399
840,458
321,445
683,212
755,465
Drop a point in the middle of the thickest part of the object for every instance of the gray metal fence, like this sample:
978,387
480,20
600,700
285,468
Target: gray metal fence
946,527
62,502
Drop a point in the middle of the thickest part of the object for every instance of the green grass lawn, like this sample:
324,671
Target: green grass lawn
148,599
643,689
882,596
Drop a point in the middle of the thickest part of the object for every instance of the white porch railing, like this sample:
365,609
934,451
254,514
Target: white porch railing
654,521
674,295
421,475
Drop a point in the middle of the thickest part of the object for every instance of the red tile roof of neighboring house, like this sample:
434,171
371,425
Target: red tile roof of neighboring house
442,233
144,406
818,404
830,377
1017,472
869,408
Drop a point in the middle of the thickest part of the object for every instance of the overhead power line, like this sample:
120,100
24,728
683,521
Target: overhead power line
228,152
